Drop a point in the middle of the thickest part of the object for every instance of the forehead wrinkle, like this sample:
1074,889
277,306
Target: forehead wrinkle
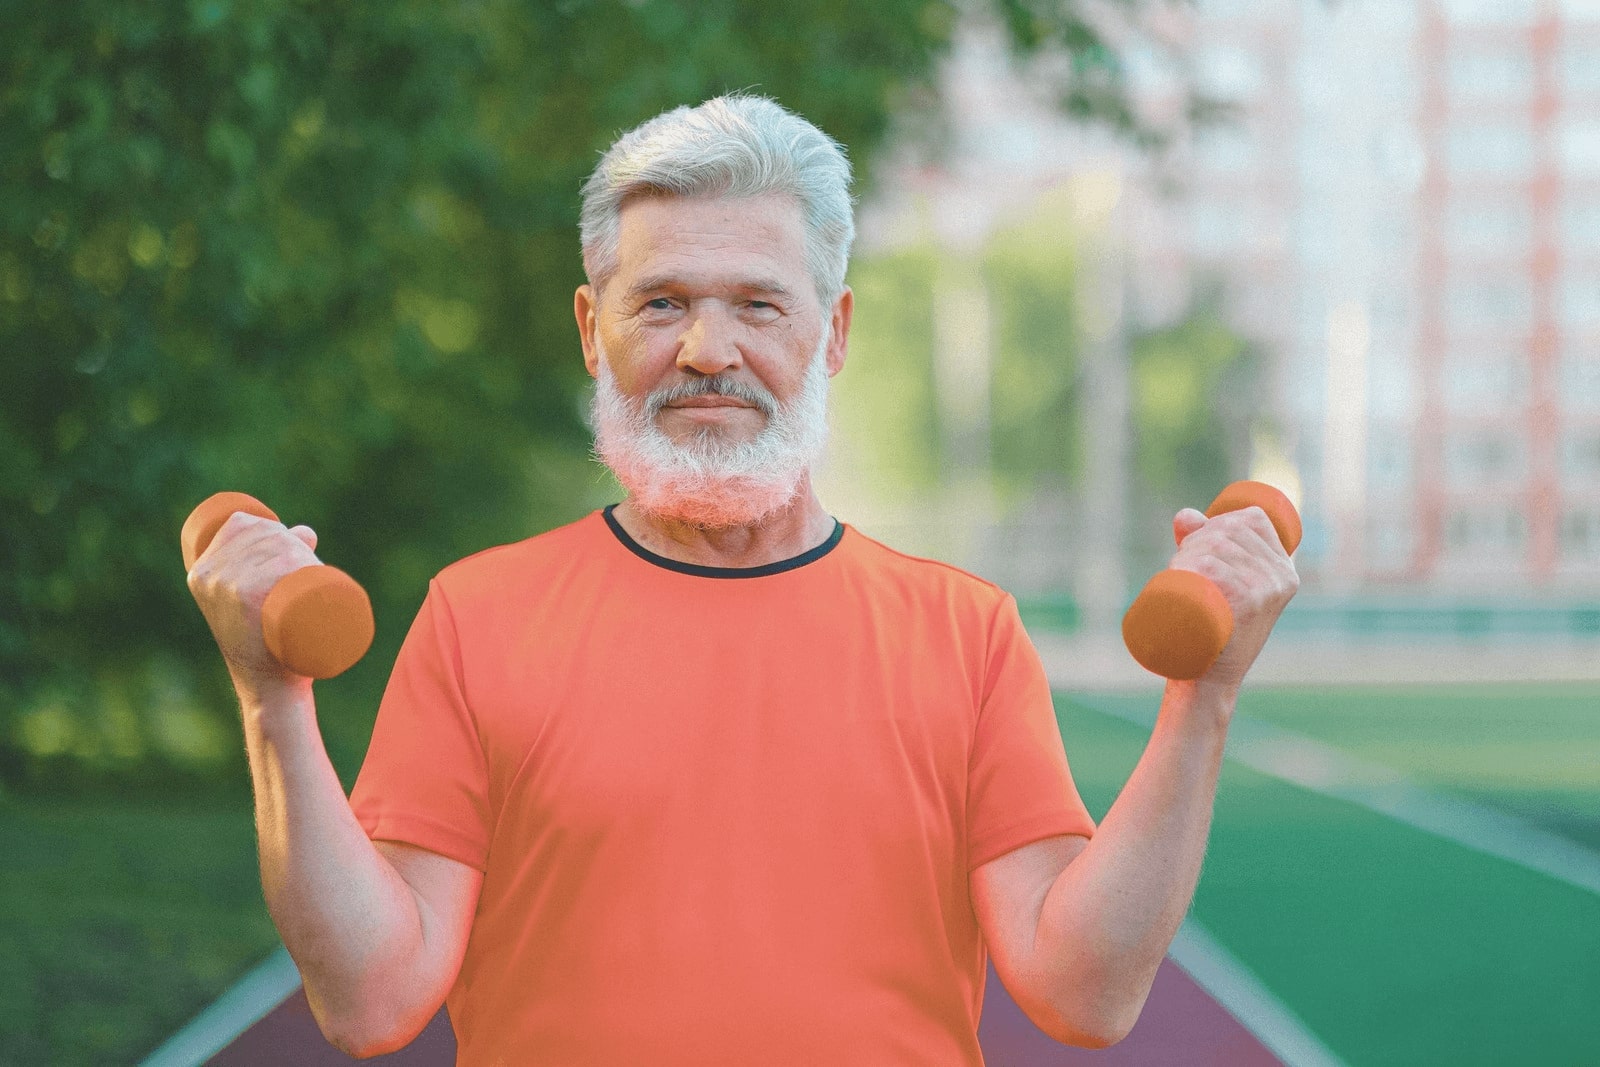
674,281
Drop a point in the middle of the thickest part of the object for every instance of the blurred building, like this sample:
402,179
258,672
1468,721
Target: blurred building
1010,161
1407,213
1402,213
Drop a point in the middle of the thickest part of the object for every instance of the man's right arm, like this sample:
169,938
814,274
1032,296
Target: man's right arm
378,934
377,954
376,959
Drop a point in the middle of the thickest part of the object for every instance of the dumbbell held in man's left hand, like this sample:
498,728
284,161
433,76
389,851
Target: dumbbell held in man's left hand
316,621
1180,622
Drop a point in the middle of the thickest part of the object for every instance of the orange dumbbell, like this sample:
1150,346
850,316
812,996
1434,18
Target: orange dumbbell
316,621
1180,622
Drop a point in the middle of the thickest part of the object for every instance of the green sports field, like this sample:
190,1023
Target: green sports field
1393,944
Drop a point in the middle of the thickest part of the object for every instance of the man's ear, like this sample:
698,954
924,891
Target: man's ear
839,339
584,308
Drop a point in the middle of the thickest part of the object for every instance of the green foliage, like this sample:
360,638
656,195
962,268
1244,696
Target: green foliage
324,254
120,923
1195,393
883,407
1035,431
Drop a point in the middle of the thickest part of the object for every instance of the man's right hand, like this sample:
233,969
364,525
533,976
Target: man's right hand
230,581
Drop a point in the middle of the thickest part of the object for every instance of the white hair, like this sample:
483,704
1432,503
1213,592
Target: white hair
733,145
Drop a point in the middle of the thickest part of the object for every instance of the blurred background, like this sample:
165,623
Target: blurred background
1113,254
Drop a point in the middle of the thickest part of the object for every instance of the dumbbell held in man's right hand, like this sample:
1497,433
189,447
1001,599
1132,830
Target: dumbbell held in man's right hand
316,621
1180,622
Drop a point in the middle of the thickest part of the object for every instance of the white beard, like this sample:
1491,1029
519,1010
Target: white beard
708,482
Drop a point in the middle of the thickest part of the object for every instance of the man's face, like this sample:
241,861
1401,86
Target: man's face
712,350
710,286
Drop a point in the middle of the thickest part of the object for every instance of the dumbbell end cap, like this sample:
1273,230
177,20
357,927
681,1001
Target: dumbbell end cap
1178,625
1279,508
317,621
209,515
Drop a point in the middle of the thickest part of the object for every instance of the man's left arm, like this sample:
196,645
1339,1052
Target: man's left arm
1108,916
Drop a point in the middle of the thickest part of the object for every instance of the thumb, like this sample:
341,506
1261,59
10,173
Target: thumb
1185,523
306,534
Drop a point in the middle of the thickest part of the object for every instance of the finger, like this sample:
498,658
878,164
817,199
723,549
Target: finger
1185,523
1218,547
1250,527
236,534
306,534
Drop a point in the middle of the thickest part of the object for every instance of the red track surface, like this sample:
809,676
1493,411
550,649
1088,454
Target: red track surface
1181,1025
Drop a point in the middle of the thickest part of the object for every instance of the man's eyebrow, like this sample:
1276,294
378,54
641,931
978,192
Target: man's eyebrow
653,282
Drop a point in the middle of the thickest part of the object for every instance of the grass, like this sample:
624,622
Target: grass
1394,947
120,924
1533,750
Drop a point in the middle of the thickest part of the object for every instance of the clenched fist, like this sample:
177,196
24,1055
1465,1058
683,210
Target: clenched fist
1242,554
230,581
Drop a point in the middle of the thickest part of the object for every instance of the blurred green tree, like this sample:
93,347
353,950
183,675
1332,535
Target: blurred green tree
325,254
1196,394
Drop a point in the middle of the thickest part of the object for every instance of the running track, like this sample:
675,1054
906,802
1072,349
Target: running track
1182,1024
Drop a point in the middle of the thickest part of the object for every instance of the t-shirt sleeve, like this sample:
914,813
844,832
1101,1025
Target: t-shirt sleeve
1020,788
425,778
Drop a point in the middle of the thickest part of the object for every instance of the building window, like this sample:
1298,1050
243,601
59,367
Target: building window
1501,303
1580,301
1480,76
1580,457
1580,534
1580,10
1483,385
1389,378
1392,233
1389,461
1489,227
1580,383
1401,159
1488,12
1480,458
1579,69
1392,15
1580,227
1491,150
1495,532
1389,542
1391,306
1580,146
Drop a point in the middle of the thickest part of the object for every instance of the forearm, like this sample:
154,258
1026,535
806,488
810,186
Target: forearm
348,919
1111,915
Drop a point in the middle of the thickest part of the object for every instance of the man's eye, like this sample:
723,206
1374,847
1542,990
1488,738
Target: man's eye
660,303
760,305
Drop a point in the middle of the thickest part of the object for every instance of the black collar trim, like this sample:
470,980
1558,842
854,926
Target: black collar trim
723,572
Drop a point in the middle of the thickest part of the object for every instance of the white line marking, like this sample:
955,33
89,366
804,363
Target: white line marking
268,984
1236,987
1322,768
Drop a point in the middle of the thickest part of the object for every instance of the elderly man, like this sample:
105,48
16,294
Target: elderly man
708,777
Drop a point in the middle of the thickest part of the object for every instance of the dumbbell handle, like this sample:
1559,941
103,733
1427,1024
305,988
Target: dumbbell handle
316,621
1180,622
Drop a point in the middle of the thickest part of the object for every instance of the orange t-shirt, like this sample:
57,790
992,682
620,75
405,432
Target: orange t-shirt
725,816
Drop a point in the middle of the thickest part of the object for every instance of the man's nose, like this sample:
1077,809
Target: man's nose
709,345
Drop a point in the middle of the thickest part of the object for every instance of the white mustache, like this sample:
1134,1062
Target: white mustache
756,397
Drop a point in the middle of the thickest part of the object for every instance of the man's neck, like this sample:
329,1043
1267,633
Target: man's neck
793,531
